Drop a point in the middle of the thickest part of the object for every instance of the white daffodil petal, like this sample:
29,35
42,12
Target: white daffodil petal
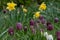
45,34
49,37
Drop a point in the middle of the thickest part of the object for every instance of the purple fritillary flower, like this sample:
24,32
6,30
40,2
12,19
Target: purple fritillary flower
58,33
48,23
32,22
11,31
43,21
50,27
56,20
41,17
58,38
19,26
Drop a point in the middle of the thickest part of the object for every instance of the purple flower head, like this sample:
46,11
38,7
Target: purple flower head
31,22
50,27
58,33
19,26
41,17
48,23
56,20
58,38
11,31
43,21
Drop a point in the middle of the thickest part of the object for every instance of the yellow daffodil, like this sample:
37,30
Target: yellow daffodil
24,10
11,6
37,14
42,6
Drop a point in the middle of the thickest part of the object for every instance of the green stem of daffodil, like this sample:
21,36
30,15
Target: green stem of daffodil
10,16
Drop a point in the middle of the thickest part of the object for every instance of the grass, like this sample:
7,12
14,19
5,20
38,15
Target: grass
11,18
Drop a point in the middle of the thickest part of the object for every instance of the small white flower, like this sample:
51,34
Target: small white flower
45,34
49,37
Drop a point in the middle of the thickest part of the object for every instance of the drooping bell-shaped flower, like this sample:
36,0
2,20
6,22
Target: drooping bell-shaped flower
19,26
58,33
11,31
48,23
56,20
32,22
58,38
50,27
43,21
41,17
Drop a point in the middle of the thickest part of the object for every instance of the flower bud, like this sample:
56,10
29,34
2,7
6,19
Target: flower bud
58,33
31,22
41,17
11,31
56,20
49,27
19,26
48,23
58,38
43,21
